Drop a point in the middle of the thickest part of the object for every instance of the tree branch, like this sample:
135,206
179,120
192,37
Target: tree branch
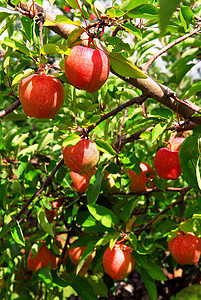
10,109
175,42
183,192
43,186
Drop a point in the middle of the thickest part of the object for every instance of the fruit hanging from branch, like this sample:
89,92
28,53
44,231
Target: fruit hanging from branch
142,182
87,68
81,182
42,258
185,248
119,261
82,157
41,96
75,253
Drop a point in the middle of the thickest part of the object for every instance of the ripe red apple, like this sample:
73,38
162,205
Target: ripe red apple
87,68
82,157
92,17
81,182
185,248
75,253
175,144
139,183
41,96
118,262
42,258
166,164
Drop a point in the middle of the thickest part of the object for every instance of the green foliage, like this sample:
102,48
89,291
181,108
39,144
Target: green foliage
33,175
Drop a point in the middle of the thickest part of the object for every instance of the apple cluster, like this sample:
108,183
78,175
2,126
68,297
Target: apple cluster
42,96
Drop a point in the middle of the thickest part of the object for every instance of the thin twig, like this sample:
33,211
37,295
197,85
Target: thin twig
183,192
137,100
43,186
177,41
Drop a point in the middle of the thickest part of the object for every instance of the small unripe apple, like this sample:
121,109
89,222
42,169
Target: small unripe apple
41,96
41,259
87,68
175,144
75,253
82,157
81,182
144,181
118,262
166,164
185,248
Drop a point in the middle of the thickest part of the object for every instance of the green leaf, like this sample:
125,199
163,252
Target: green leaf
103,215
73,3
193,89
73,36
18,46
155,272
83,257
65,20
131,4
189,160
157,131
53,48
115,12
16,233
95,186
98,285
187,14
144,11
71,140
58,280
22,75
9,22
167,7
133,29
16,187
43,222
82,287
105,147
149,284
45,275
123,67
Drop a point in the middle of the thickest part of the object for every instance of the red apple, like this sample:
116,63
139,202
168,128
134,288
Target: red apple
118,262
175,144
166,164
42,258
139,183
41,96
87,68
185,248
75,253
81,182
82,157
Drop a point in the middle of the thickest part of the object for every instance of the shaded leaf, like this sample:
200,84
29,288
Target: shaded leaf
103,215
167,7
16,233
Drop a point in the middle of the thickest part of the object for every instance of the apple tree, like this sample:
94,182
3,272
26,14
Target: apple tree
115,169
